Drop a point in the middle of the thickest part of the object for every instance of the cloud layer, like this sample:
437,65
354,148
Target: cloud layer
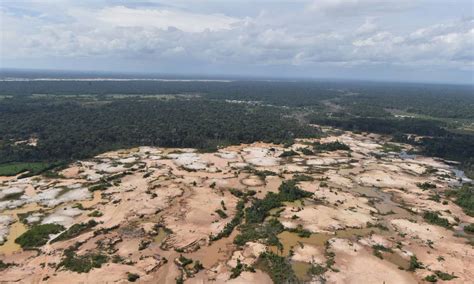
301,36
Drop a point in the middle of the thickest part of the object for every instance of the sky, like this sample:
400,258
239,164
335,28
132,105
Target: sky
395,40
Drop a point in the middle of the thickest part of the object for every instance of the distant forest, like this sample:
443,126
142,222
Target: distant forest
78,119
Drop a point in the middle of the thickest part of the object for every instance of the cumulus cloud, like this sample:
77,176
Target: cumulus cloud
303,36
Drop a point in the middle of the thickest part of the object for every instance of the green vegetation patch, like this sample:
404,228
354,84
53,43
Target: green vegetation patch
38,235
229,227
4,265
445,276
221,213
390,147
415,264
469,228
75,230
434,218
464,198
132,277
278,267
426,185
82,263
12,169
239,268
331,146
289,153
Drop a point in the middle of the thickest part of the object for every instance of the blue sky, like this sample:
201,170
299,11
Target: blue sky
403,40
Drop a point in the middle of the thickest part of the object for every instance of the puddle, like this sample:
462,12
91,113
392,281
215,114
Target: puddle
396,259
162,234
9,247
216,252
384,203
97,197
17,228
404,155
290,240
301,270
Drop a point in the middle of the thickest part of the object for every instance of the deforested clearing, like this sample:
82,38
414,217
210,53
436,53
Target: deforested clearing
165,214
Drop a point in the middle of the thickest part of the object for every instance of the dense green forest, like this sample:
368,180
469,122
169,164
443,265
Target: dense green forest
68,129
78,119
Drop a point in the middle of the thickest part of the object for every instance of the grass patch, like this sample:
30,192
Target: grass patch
12,169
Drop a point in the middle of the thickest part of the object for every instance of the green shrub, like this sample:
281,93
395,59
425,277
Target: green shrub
99,186
414,264
95,213
277,267
239,268
4,265
426,185
469,228
306,151
221,213
132,277
38,235
433,218
81,263
289,153
184,261
317,269
464,198
444,276
75,230
331,146
431,278
298,178
229,227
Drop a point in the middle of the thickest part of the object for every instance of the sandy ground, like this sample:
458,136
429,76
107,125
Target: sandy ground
163,203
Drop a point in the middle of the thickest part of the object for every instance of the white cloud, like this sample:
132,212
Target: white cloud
120,16
157,33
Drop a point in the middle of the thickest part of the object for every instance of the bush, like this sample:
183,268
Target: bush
81,263
277,267
38,235
229,227
221,213
469,228
465,198
317,269
95,213
132,277
414,264
444,276
4,265
433,218
75,230
426,185
289,153
331,146
431,278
